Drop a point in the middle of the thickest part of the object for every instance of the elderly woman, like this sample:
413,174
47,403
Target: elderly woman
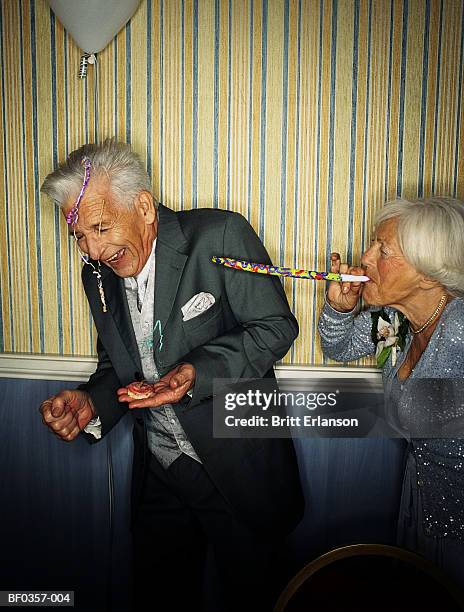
415,326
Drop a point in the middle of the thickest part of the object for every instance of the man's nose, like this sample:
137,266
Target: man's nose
94,248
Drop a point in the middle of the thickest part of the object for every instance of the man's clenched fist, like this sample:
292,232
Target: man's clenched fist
67,413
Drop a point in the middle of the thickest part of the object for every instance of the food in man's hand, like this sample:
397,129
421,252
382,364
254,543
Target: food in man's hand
140,390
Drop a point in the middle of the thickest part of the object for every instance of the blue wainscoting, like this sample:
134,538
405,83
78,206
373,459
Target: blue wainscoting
55,527
64,518
352,489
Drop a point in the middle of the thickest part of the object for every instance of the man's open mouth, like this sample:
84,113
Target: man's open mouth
116,257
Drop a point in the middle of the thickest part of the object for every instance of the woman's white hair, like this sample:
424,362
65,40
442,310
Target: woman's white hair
114,160
431,237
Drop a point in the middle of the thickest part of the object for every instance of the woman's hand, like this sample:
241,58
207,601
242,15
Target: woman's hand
343,296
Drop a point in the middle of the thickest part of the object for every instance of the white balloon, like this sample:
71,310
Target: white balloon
93,23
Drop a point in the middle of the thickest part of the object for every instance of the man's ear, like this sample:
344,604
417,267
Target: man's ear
145,206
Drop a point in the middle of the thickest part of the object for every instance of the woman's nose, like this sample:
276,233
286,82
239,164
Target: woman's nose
368,257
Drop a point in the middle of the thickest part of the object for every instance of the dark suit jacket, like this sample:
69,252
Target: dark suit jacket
249,327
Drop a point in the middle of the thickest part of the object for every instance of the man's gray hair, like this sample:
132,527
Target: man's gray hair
431,237
115,160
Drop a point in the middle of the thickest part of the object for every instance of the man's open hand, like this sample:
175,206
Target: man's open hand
168,390
67,413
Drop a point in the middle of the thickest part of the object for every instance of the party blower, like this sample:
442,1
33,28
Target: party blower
248,266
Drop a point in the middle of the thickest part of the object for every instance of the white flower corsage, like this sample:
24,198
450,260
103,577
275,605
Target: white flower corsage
389,337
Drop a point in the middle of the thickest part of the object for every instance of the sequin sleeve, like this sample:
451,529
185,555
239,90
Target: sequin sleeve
345,336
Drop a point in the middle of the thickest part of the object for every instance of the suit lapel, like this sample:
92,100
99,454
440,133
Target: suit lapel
171,257
119,309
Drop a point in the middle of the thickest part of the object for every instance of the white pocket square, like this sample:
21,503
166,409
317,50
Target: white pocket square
196,305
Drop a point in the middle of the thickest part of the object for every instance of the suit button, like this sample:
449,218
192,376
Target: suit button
420,483
139,420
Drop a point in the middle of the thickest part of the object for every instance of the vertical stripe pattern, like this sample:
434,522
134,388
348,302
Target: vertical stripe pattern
303,115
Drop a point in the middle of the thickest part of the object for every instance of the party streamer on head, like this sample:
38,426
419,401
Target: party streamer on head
71,219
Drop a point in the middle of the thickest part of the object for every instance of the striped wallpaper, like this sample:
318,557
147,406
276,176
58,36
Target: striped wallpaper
303,115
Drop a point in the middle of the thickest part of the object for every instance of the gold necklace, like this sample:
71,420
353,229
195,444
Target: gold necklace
432,318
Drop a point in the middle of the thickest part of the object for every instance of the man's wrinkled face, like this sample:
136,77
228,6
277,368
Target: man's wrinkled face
121,239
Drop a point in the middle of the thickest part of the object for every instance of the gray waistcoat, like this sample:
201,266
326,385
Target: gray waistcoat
166,438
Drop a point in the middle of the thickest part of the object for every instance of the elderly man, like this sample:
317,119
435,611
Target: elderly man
165,313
